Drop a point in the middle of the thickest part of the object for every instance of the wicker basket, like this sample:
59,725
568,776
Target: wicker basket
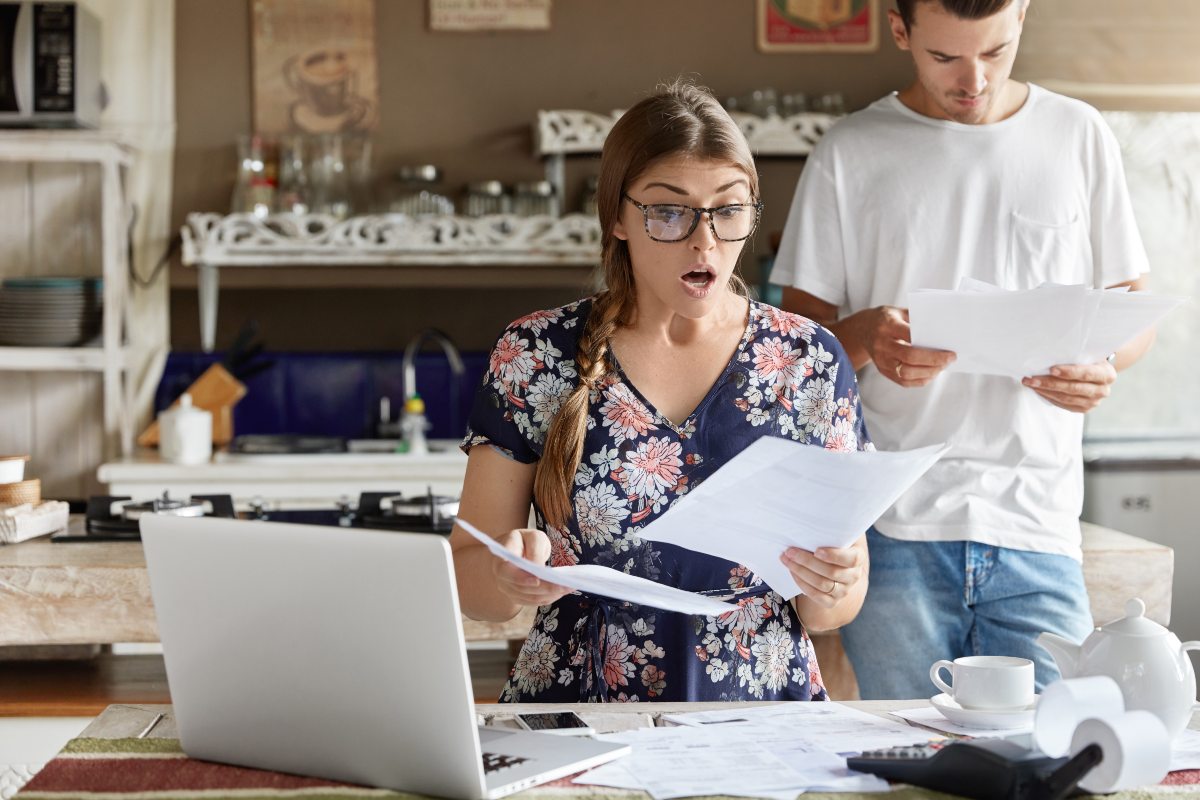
13,494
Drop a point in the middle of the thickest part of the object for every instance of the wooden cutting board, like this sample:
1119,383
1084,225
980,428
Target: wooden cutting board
216,391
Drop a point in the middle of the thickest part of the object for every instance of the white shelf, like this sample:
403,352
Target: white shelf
244,240
570,132
58,359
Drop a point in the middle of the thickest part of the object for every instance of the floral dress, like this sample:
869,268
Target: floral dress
789,377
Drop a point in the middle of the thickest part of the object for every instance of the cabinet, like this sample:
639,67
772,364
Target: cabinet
64,210
447,250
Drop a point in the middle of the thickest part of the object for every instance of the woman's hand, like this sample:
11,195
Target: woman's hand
834,582
515,583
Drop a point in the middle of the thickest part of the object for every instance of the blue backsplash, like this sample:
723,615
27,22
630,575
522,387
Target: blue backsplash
335,394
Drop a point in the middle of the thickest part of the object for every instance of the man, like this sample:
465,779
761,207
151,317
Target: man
964,173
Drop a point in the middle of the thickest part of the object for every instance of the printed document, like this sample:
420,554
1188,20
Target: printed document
778,493
608,582
1020,333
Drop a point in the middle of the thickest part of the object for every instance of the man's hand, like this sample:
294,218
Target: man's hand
517,584
887,338
1075,387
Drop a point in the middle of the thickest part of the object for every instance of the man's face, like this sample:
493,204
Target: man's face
962,64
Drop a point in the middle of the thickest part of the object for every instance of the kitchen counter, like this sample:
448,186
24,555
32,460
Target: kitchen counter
293,481
99,593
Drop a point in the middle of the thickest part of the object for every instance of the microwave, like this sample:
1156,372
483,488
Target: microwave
49,66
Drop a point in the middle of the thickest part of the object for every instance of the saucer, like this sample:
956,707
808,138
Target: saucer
989,719
307,119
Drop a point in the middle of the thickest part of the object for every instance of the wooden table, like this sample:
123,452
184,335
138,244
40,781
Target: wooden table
128,721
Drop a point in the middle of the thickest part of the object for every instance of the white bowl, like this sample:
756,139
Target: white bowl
12,468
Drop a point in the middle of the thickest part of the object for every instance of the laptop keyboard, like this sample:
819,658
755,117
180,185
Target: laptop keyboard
494,762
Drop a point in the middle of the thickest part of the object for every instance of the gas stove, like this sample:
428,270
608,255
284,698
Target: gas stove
111,519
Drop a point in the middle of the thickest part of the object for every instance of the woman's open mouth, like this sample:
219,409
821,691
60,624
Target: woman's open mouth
699,280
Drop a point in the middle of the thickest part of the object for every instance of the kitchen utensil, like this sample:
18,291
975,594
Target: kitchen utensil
217,391
1146,660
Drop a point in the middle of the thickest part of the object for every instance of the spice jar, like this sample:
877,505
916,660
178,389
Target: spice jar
487,197
535,198
416,192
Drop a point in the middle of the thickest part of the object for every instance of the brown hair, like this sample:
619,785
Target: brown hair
966,9
679,119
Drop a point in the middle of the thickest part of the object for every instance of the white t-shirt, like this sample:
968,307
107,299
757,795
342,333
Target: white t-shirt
892,201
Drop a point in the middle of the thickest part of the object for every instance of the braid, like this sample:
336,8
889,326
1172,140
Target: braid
564,441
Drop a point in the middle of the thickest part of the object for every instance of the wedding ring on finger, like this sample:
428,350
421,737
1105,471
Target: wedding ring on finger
899,370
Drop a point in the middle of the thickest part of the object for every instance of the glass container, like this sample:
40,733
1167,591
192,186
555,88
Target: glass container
416,192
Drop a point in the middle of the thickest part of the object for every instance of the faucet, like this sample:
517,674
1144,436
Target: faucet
410,355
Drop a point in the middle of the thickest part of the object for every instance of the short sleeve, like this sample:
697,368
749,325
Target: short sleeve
811,255
848,429
1117,249
493,420
531,372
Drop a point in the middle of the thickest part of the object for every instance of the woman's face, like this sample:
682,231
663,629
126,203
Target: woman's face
688,277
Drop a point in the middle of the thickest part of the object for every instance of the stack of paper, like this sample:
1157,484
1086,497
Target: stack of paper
1019,333
773,751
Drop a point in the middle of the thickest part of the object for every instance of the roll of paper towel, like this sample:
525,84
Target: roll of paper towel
1137,751
1073,714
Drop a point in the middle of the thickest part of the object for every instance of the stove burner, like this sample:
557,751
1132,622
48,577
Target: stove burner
161,505
430,513
115,519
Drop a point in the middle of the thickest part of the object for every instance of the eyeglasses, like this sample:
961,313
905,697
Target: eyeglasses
668,222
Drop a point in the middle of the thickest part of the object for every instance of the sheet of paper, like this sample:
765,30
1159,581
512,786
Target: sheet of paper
1025,332
778,493
690,761
930,717
1185,751
608,582
831,727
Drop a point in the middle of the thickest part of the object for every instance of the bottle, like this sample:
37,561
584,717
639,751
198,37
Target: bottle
413,426
185,433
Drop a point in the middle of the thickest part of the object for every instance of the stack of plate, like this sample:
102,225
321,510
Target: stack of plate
50,312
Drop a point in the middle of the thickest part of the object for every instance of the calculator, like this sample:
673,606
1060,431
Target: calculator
988,769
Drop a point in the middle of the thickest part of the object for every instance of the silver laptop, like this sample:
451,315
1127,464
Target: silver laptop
333,653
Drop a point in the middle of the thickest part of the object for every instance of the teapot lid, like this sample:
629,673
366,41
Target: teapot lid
1134,623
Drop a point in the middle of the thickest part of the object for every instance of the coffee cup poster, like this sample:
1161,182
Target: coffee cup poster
315,69
818,26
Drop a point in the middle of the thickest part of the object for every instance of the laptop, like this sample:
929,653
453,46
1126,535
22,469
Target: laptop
334,653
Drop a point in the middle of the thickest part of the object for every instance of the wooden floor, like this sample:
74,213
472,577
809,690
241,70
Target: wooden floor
86,687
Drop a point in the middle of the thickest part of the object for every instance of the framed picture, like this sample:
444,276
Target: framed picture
489,15
315,69
818,26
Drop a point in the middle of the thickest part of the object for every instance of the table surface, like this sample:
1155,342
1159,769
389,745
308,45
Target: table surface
130,720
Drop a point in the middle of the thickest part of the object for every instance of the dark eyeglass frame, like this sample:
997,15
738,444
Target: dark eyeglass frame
696,212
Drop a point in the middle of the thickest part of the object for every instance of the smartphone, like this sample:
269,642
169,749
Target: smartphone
564,722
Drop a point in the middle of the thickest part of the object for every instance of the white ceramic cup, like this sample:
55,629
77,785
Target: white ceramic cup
12,468
991,683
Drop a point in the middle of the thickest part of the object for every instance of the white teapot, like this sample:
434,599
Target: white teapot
1144,658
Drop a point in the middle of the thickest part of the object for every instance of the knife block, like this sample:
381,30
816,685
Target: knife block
216,391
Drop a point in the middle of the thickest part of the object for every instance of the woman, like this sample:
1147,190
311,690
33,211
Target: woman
605,411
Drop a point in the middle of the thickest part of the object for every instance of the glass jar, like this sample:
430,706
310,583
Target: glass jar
415,192
330,178
254,190
486,197
535,199
295,194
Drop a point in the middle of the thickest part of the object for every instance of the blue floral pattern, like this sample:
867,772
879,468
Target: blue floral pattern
789,377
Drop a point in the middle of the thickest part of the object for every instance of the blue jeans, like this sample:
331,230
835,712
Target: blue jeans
932,600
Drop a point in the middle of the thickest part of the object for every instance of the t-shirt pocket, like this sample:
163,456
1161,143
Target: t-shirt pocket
1048,251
